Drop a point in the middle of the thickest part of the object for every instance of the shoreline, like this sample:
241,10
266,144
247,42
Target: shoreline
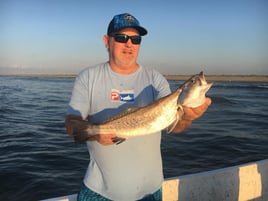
224,78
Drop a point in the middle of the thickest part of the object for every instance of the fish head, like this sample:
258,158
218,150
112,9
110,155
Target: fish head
194,91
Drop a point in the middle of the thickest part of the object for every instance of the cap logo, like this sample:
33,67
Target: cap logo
129,18
124,20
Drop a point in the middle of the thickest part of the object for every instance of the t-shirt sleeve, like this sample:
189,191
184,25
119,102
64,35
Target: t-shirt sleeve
79,102
161,85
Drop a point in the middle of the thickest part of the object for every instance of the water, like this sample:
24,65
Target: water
38,160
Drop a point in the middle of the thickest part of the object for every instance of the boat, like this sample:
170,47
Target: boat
240,183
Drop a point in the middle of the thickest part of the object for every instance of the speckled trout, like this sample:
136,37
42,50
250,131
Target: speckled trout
159,115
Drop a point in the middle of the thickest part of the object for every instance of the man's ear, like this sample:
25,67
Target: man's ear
106,41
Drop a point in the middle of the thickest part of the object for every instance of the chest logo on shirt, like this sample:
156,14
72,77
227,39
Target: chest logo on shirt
123,95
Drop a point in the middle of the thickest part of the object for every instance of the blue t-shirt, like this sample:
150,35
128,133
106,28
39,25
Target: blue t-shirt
132,169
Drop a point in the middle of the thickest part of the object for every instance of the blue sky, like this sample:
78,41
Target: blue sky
185,37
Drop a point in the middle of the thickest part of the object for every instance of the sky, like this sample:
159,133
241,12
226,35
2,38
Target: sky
184,36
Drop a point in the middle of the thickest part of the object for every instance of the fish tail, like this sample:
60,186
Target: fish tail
82,130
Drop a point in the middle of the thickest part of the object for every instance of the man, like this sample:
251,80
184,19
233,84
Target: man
131,170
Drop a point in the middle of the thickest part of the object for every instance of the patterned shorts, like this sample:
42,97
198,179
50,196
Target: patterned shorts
85,194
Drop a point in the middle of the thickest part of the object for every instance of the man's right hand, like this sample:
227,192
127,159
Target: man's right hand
69,125
104,139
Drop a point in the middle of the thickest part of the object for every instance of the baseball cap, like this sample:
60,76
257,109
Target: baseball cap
125,20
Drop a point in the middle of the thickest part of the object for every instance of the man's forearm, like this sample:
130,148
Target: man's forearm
68,123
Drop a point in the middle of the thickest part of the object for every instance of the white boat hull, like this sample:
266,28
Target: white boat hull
244,182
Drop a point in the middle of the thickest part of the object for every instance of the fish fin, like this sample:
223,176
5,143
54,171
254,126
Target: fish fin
118,140
80,130
171,127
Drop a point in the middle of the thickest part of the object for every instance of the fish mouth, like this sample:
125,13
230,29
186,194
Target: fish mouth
197,78
192,79
202,75
203,79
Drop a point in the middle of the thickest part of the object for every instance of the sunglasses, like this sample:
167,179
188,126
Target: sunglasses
123,38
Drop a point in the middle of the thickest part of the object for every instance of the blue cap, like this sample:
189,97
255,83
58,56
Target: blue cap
125,20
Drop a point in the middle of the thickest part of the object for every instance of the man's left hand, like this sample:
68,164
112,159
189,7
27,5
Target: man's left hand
191,114
194,113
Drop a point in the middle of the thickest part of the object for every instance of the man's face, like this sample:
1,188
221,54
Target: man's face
123,54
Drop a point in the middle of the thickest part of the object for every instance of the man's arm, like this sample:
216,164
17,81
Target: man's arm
191,114
68,123
106,139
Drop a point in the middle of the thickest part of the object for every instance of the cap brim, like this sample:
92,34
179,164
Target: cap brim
141,30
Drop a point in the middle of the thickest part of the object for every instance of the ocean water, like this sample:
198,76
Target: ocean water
38,160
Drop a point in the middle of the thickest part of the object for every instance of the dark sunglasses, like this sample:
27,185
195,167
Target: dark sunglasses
123,38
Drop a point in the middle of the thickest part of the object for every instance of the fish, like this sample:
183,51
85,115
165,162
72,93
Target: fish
162,114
